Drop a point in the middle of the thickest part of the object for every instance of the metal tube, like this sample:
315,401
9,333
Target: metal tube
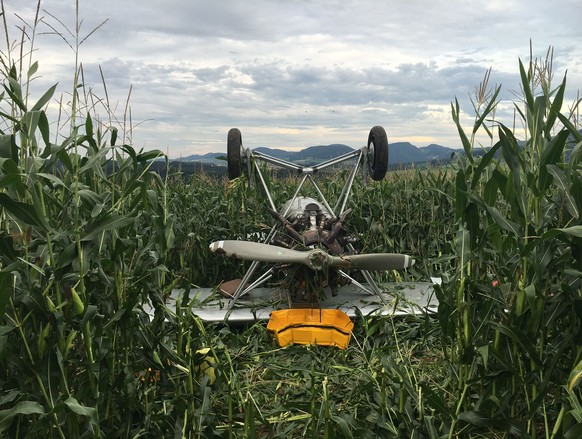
338,160
278,162
323,200
261,280
355,282
305,169
348,187
266,189
295,195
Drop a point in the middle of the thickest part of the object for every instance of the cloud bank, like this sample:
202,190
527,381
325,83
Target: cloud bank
295,73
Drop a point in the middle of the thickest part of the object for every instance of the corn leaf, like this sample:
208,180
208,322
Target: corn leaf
481,419
520,338
564,186
79,409
483,163
574,432
575,376
21,211
8,148
22,408
15,93
525,84
490,107
555,107
455,110
108,222
5,291
550,156
44,98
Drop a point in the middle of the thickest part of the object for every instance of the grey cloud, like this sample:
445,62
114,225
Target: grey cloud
196,68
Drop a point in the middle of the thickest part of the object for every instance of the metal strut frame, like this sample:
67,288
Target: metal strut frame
308,172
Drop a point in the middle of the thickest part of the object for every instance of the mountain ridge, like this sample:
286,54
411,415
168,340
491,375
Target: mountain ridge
399,153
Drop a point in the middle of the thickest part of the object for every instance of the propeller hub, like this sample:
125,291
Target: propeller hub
318,259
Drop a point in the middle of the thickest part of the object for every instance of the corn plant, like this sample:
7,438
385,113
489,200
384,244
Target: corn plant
507,309
85,235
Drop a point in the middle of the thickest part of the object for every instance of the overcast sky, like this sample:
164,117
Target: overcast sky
295,73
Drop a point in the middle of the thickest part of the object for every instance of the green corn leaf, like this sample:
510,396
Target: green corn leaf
89,126
44,98
95,160
511,152
11,180
9,167
8,147
52,178
490,107
504,223
79,409
90,197
563,184
32,70
576,188
108,222
15,93
464,139
575,376
43,126
463,246
9,396
571,127
31,120
550,156
491,188
113,136
7,116
343,425
481,419
525,84
512,227
574,432
520,338
130,151
574,231
555,107
149,155
484,162
514,192
7,248
22,408
519,111
5,291
65,159
22,211
461,194
536,122
6,329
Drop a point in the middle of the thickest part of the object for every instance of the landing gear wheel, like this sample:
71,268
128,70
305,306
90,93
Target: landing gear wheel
377,153
234,153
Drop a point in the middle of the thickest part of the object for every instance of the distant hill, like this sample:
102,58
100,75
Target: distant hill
322,152
400,153
405,153
211,157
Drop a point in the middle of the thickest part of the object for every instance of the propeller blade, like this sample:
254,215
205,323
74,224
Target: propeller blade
256,251
315,259
373,262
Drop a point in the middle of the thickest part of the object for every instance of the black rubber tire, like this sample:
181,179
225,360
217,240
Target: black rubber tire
234,153
377,153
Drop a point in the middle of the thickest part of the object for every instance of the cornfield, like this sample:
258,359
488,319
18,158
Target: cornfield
90,235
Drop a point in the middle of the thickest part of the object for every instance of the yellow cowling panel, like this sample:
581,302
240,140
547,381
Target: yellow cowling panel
327,327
